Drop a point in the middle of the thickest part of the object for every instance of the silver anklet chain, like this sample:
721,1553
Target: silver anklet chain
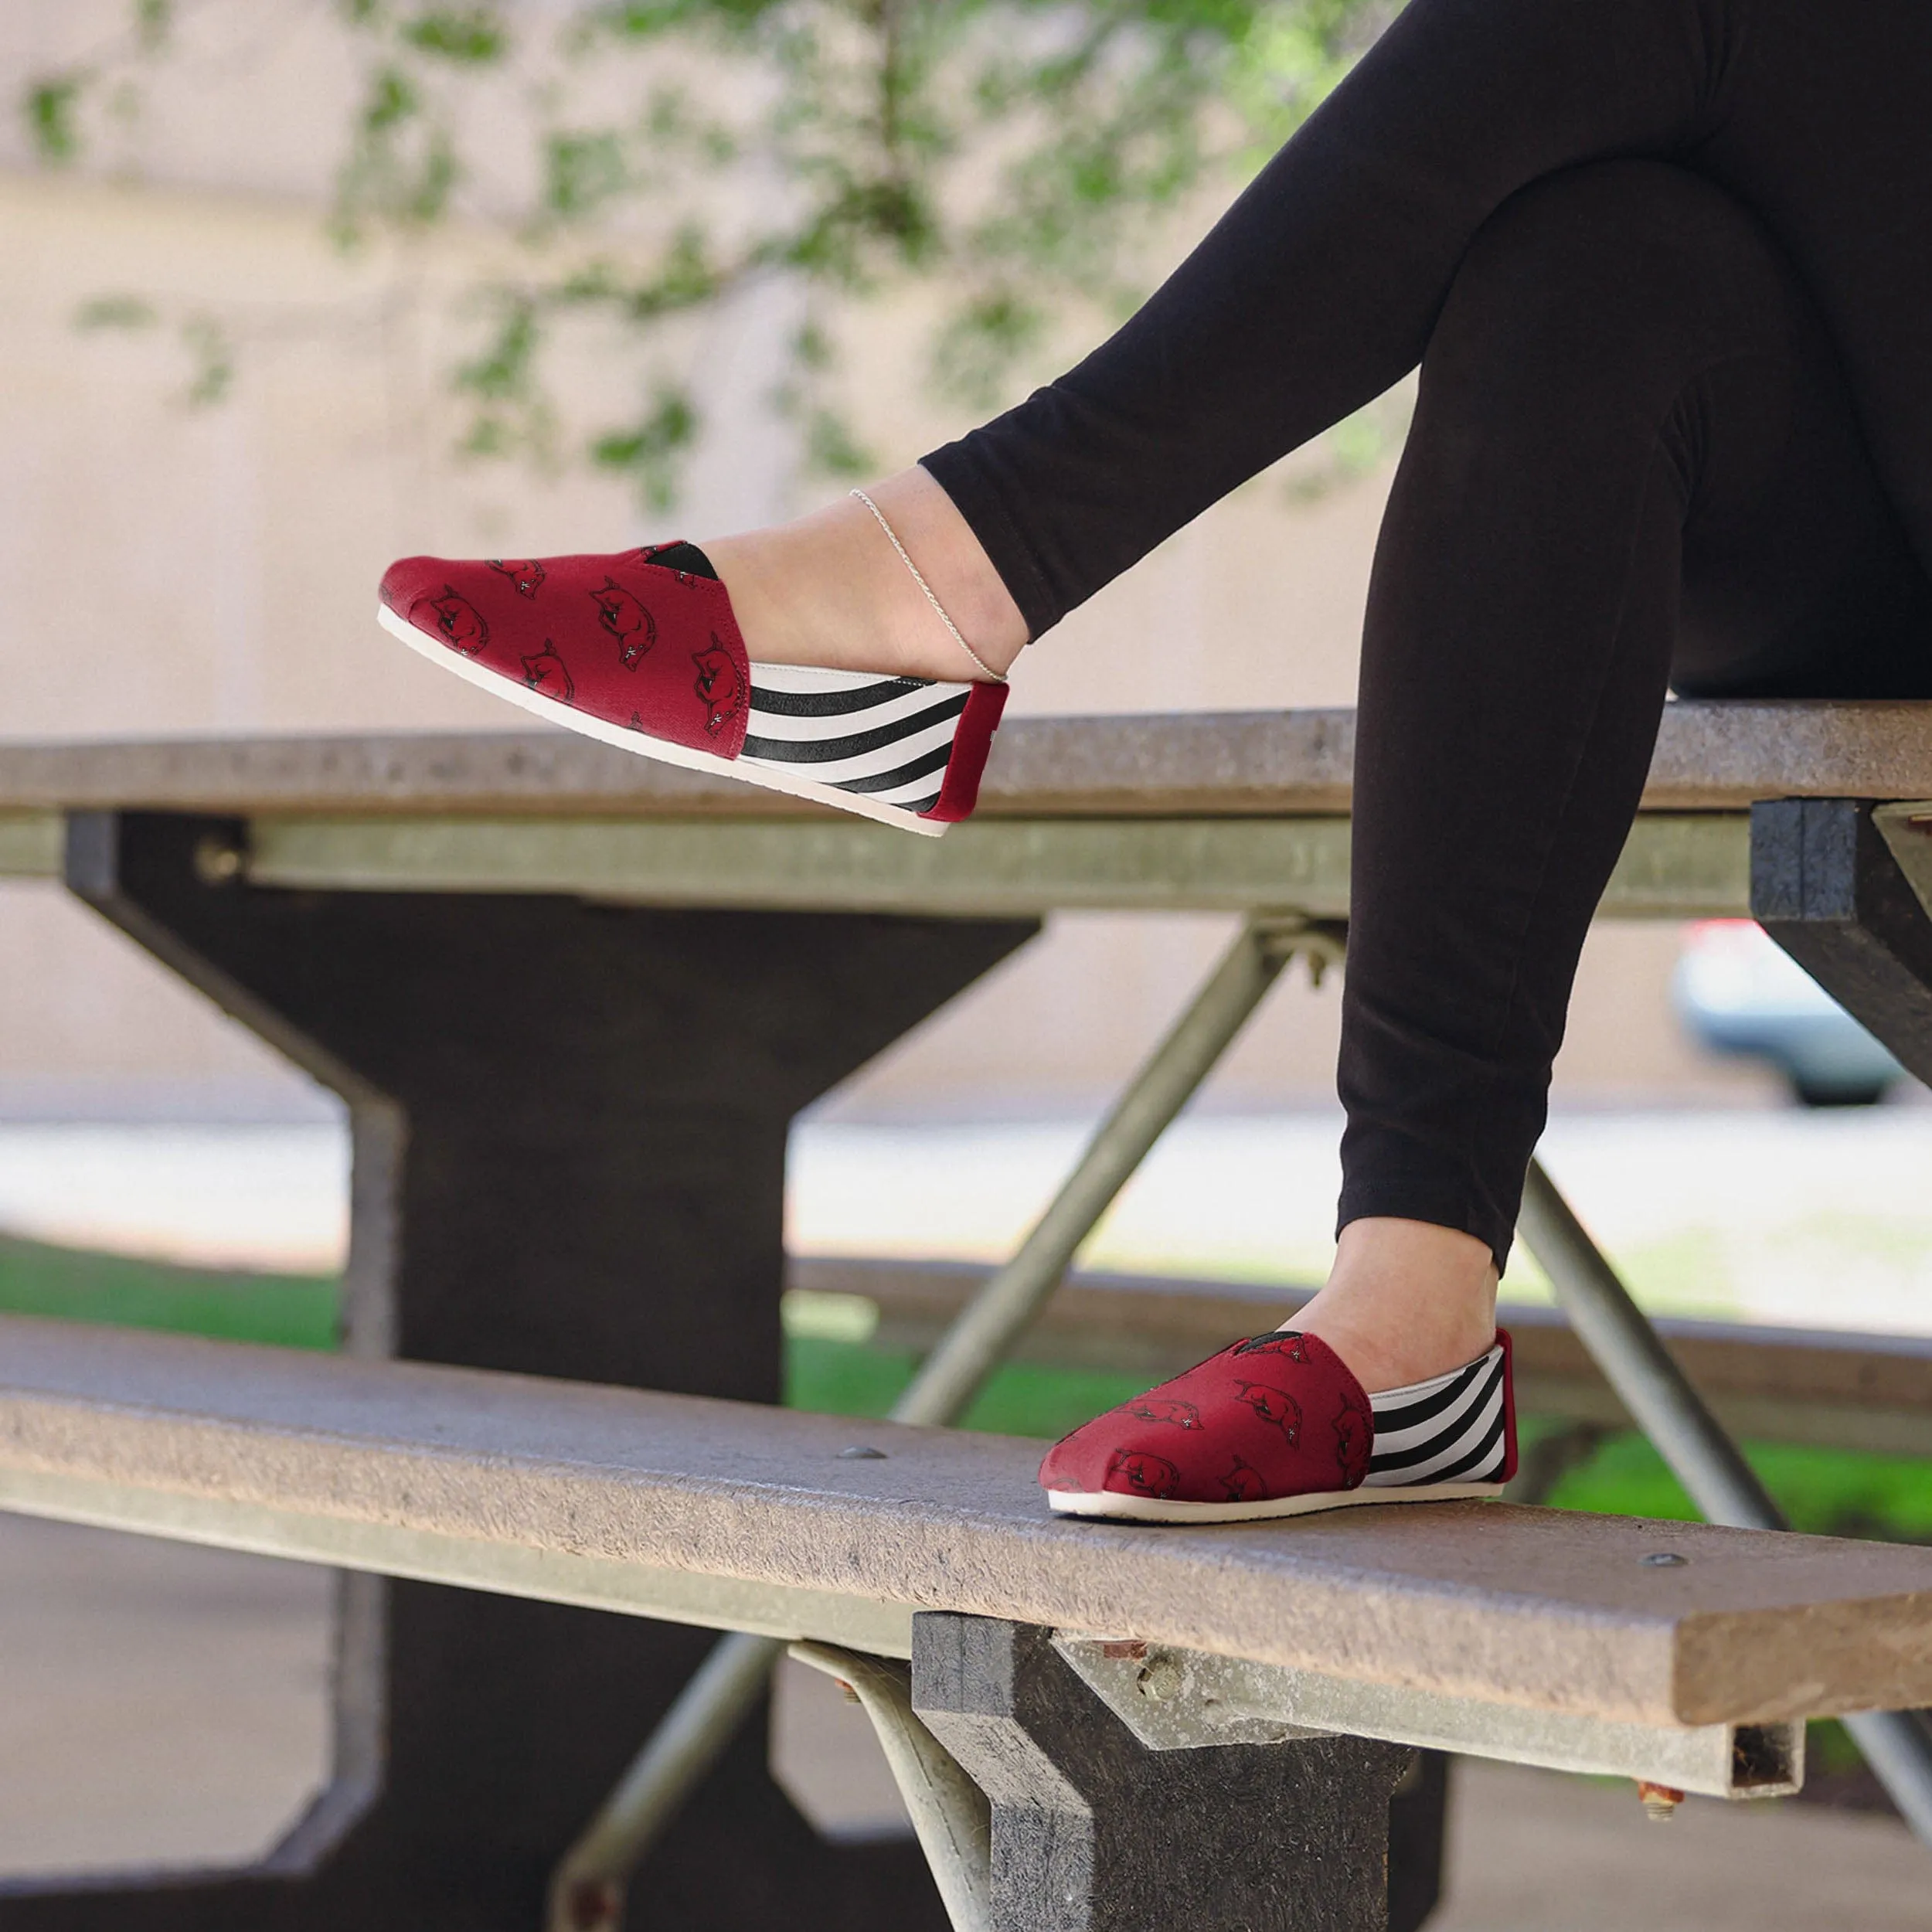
892,537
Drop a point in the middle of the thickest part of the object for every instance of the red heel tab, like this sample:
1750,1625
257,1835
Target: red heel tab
1508,1406
959,791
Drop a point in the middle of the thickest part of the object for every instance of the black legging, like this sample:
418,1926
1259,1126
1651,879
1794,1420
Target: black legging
1647,451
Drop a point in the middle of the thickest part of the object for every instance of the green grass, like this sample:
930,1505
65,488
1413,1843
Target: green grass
850,1379
1830,1492
296,1312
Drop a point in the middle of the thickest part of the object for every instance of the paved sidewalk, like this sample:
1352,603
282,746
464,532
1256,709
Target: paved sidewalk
1534,1852
158,1704
164,1705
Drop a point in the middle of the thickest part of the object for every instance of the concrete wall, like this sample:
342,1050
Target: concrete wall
170,569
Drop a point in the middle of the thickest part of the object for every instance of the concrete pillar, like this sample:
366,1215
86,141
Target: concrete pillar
1092,1832
570,1128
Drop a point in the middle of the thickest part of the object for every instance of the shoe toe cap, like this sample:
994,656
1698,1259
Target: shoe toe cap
410,580
1114,1454
1070,1462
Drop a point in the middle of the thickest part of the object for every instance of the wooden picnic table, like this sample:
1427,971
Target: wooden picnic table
573,1000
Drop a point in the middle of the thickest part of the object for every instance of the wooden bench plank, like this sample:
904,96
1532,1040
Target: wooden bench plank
1511,1605
1710,757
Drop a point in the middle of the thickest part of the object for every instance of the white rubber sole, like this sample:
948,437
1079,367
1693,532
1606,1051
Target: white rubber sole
643,746
1068,1502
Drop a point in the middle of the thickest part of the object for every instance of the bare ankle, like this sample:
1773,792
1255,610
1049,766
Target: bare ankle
1405,1301
959,573
830,589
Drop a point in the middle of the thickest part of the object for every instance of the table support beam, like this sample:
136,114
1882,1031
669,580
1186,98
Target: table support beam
1826,885
570,1124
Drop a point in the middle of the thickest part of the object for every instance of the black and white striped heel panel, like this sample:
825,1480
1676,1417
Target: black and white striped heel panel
888,738
1448,1430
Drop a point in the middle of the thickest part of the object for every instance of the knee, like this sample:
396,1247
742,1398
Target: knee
1624,276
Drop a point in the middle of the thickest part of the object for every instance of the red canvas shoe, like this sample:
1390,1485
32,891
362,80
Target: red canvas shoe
1276,1426
640,650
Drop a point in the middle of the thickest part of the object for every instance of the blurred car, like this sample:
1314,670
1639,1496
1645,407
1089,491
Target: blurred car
1738,992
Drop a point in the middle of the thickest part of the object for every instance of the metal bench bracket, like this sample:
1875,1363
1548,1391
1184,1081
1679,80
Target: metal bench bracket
1183,1700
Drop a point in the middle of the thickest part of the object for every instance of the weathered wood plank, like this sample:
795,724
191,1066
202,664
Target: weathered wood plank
1710,757
1515,1606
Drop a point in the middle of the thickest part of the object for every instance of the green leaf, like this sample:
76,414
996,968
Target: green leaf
207,341
115,311
645,19
402,164
642,21
435,179
475,38
811,347
502,373
685,278
391,100
648,449
978,348
154,21
488,436
832,450
49,109
581,172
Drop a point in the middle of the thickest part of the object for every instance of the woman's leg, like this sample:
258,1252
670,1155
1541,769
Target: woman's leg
1633,454
1314,293
828,589
1319,287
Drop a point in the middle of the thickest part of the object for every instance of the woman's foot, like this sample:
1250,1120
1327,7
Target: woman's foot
1405,1301
830,589
838,695
1394,1385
